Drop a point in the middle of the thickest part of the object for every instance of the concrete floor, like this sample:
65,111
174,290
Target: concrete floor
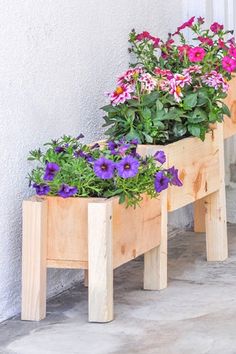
195,315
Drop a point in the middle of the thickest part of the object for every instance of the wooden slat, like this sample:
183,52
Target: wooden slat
67,264
199,215
100,261
33,305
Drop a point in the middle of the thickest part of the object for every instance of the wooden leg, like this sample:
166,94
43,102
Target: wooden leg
100,262
216,227
199,215
34,260
155,261
86,278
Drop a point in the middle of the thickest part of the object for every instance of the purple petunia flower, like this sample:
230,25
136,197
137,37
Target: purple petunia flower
67,191
41,189
174,178
123,148
127,167
59,149
160,156
104,168
95,146
134,141
161,181
51,169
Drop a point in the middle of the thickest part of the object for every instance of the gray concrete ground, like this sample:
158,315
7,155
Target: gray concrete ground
195,315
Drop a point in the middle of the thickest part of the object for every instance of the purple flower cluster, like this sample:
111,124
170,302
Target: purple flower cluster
166,177
126,167
51,170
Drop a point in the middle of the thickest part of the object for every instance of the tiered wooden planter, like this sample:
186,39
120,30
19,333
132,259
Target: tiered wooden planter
99,235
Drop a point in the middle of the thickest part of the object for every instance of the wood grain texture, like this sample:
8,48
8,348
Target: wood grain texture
135,231
216,228
33,307
155,260
199,215
230,101
198,165
100,240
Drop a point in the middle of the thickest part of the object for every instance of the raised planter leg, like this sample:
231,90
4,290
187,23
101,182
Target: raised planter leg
100,261
216,227
34,260
155,260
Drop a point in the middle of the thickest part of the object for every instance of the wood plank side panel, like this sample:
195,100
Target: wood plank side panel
135,231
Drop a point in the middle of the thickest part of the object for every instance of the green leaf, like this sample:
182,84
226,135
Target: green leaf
133,134
146,113
122,198
194,130
173,114
198,115
159,105
225,109
212,116
191,100
148,138
179,129
109,108
150,98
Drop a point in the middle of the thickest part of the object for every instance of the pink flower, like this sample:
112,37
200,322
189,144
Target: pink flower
200,20
182,80
142,36
147,35
194,69
232,52
175,90
183,49
163,72
148,83
164,85
188,23
216,27
120,95
216,80
228,64
205,40
196,54
130,76
222,44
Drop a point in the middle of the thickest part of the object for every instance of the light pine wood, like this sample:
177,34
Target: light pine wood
198,165
57,263
216,228
33,307
230,101
67,245
155,260
135,231
86,278
100,262
199,215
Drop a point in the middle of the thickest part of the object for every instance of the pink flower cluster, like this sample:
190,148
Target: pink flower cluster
216,80
148,36
126,85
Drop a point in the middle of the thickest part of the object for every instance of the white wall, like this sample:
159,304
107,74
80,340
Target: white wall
57,57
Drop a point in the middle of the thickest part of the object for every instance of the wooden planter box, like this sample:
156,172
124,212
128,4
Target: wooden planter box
201,169
94,234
